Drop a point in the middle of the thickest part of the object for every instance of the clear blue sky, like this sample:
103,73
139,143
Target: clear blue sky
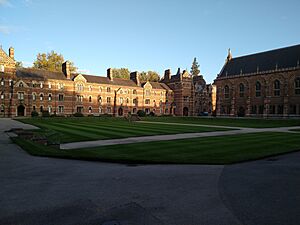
147,34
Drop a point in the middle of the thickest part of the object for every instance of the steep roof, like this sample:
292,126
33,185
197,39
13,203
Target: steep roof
278,59
37,74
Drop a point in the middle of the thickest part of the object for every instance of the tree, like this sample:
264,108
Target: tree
149,76
121,73
51,61
195,71
19,64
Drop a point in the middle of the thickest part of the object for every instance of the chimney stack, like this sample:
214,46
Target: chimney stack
110,74
229,56
134,76
66,69
11,52
167,75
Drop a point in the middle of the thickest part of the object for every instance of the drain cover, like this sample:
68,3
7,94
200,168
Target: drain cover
111,223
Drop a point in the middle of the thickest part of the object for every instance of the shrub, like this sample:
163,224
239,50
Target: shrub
141,113
151,114
45,113
105,115
78,114
34,114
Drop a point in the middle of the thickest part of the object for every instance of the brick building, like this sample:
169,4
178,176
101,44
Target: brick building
24,90
265,84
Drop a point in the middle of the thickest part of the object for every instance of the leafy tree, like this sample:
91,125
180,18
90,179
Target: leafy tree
19,64
149,76
121,73
195,71
51,61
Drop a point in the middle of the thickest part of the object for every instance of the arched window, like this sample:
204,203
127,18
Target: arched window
80,87
127,100
90,109
100,99
90,88
226,91
277,88
242,90
49,97
2,82
134,92
108,89
33,96
297,86
41,97
21,84
90,98
2,95
257,89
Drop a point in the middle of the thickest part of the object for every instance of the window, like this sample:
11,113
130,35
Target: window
80,87
100,89
41,108
61,86
147,111
21,95
127,100
108,99
90,98
2,109
134,92
226,91
108,110
1,68
60,109
50,97
2,82
147,101
79,109
100,109
41,85
148,93
21,84
100,99
297,86
134,110
90,88
276,88
134,101
242,90
33,96
79,98
108,89
90,109
121,100
185,98
257,89
41,97
49,85
60,97
2,95
11,83
50,109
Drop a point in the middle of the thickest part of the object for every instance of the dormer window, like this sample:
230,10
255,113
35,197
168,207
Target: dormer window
80,87
21,85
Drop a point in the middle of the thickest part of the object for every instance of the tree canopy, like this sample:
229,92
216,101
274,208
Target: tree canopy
149,76
121,73
51,61
195,69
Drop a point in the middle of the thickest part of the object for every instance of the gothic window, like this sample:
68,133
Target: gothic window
2,95
60,97
297,86
147,101
127,100
49,108
33,96
41,85
100,99
60,109
121,100
257,89
21,85
242,90
108,89
80,87
226,91
100,110
90,109
79,98
108,99
90,98
134,101
50,97
148,93
61,86
49,85
276,88
2,82
21,95
41,97
134,92
90,88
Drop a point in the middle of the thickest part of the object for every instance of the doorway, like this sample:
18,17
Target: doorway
21,110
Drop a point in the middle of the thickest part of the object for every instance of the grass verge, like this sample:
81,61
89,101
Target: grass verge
210,150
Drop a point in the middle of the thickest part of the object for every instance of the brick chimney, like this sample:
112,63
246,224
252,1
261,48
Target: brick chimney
167,75
134,76
11,52
110,74
66,69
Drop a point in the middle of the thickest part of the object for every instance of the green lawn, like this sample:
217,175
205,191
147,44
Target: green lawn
235,122
211,150
84,129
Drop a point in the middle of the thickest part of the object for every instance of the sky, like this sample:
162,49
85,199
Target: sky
147,35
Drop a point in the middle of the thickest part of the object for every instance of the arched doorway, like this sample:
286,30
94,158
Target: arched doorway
21,110
185,111
241,112
120,112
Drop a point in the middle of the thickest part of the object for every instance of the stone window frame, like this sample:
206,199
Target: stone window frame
134,92
90,109
2,82
60,109
276,86
226,91
49,97
258,89
61,99
241,90
41,97
90,98
2,95
297,85
147,101
34,96
108,100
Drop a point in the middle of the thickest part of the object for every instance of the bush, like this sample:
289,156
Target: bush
105,115
34,114
45,113
141,113
78,114
151,114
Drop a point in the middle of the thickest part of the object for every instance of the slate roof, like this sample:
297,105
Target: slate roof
278,59
38,74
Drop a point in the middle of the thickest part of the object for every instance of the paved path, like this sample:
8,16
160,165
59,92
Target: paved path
168,137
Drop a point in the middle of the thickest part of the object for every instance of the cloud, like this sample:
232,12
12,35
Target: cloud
5,3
